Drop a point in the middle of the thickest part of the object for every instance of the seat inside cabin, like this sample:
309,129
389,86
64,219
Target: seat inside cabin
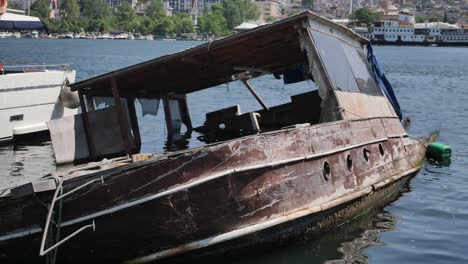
122,131
230,122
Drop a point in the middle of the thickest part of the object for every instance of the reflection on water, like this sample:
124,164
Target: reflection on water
440,163
20,164
352,251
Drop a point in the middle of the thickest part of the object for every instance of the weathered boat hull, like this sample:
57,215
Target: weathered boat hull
309,228
198,199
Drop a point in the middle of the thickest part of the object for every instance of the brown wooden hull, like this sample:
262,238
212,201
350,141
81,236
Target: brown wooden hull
201,198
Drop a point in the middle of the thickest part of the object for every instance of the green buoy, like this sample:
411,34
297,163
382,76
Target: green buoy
438,151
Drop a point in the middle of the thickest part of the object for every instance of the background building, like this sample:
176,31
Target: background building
268,8
115,3
187,5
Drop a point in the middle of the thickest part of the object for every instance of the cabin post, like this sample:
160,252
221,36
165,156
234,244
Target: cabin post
134,122
87,129
184,112
313,56
167,115
90,102
121,116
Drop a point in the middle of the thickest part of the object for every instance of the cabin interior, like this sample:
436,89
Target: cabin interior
112,134
329,59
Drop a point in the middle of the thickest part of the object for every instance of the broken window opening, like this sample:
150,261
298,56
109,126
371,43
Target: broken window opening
230,122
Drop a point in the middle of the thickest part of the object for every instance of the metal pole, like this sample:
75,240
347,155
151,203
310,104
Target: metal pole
252,91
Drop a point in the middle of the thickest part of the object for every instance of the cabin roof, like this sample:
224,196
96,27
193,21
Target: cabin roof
265,49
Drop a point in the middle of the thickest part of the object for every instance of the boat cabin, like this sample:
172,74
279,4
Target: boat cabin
345,83
305,165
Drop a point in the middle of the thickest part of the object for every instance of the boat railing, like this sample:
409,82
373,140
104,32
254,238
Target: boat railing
16,11
36,67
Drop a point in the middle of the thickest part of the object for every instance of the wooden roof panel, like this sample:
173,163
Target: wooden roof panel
269,48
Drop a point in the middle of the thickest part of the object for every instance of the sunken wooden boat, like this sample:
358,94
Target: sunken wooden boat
313,162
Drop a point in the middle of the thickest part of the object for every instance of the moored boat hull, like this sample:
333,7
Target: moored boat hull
29,100
198,199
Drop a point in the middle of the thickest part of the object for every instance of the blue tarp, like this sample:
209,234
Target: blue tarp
382,80
292,75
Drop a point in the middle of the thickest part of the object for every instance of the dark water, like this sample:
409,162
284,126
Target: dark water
427,223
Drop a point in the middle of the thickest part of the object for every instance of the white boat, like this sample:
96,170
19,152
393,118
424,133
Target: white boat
69,36
398,27
121,36
31,95
104,36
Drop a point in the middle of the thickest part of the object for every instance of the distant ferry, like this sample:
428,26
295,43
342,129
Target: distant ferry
400,29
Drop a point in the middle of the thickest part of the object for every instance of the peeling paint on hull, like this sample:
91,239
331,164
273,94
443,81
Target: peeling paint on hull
307,228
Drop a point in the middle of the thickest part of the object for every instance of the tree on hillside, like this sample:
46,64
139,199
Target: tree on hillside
213,21
238,11
363,16
146,25
406,5
164,26
154,9
270,19
183,23
14,5
95,9
125,17
70,10
41,9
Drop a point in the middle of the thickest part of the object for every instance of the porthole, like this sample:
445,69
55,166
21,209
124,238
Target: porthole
326,170
349,162
381,149
365,153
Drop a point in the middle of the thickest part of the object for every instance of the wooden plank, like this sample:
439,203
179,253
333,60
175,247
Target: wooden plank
33,187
